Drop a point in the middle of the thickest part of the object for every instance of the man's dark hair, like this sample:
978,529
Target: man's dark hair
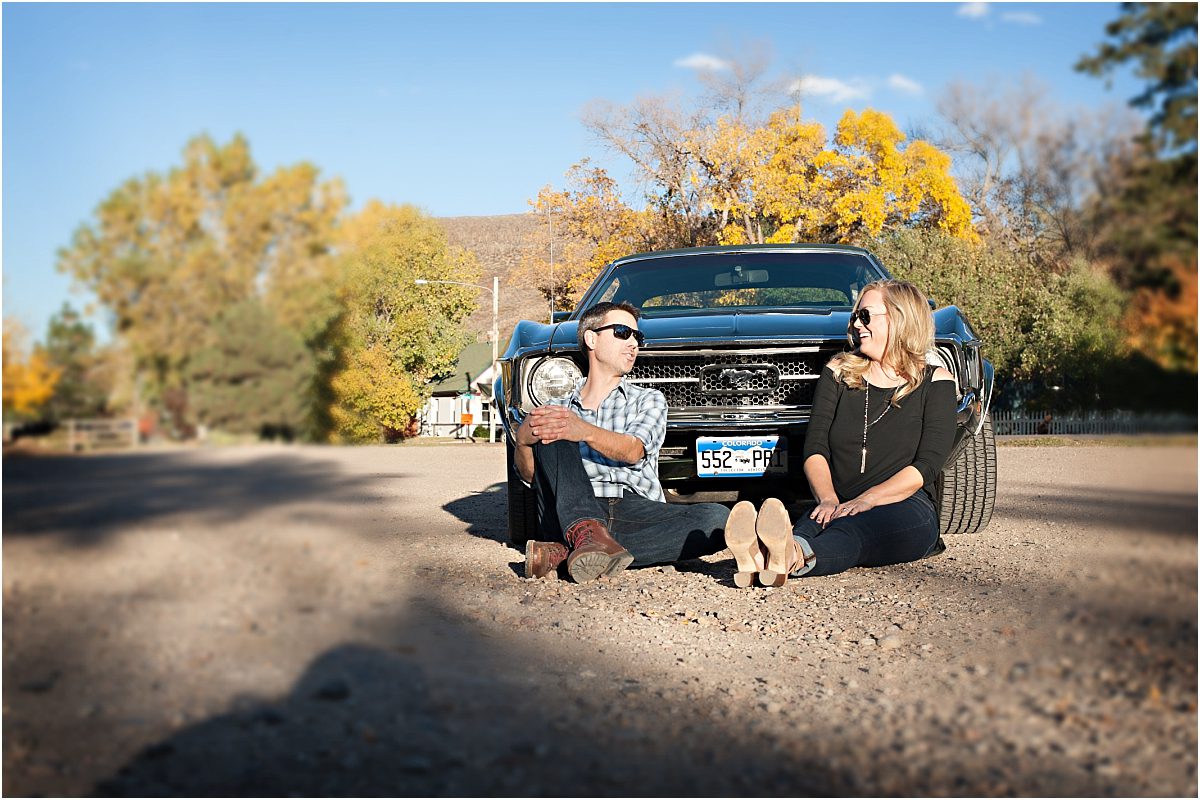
594,317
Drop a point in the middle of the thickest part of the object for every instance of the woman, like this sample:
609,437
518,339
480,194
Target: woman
881,428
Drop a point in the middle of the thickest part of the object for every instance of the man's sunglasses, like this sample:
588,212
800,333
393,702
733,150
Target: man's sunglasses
864,314
623,332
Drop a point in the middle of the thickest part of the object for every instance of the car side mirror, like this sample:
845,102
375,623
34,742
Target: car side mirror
932,303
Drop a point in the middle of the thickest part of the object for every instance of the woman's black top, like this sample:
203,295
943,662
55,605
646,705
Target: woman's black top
919,432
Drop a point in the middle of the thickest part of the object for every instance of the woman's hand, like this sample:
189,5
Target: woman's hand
824,511
862,503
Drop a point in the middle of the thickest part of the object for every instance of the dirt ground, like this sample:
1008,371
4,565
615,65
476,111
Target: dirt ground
349,621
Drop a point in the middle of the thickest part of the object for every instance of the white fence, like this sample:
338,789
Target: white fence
90,434
1021,423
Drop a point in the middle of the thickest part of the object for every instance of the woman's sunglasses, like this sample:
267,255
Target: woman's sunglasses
623,332
864,314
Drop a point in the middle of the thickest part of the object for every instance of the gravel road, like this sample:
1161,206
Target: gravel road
349,621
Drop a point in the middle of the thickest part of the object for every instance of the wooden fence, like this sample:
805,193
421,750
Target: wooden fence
1021,423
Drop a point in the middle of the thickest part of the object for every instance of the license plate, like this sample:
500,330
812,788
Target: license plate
740,456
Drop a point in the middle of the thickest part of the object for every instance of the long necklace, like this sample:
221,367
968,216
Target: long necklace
862,467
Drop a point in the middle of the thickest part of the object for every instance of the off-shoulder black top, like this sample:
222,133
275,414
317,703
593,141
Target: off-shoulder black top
920,432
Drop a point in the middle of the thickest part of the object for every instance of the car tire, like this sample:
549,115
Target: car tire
522,506
966,489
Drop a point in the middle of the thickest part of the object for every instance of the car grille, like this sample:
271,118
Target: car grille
768,378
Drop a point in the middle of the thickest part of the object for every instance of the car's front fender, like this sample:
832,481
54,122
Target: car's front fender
529,339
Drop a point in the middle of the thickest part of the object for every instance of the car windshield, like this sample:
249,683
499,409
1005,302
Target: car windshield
755,280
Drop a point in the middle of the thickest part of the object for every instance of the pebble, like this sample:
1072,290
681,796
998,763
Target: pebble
416,764
42,684
892,642
334,690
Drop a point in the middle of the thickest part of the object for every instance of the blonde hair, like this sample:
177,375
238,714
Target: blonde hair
910,337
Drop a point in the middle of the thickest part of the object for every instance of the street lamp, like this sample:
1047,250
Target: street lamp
495,290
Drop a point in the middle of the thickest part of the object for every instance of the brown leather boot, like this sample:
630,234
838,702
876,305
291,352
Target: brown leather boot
542,558
594,552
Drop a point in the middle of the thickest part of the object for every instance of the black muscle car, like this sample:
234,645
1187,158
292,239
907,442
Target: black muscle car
735,339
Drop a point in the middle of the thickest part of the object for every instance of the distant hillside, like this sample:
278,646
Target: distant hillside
499,243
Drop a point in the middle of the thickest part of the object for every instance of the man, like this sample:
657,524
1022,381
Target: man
593,459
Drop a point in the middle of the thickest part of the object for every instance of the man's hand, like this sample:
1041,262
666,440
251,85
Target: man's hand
548,424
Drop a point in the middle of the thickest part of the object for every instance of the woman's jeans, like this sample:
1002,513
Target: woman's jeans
654,532
891,534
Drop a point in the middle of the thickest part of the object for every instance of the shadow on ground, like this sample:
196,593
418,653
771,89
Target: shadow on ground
485,512
108,493
448,709
433,702
1141,511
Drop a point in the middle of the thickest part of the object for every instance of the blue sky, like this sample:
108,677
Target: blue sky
458,108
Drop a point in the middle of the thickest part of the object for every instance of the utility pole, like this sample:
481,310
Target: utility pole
495,355
550,217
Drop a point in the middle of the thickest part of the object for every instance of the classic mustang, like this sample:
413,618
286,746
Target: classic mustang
735,339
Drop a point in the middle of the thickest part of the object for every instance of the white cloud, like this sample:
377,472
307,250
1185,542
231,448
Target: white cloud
834,89
703,61
905,84
973,10
1021,18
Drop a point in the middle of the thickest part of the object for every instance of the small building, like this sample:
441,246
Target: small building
468,391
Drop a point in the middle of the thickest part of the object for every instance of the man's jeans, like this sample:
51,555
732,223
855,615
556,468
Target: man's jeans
891,534
654,532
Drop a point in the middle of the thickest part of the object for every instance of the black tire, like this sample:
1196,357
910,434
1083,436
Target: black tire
522,506
966,489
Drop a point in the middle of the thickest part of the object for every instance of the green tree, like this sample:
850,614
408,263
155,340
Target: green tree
1037,326
252,376
1150,214
167,253
70,347
1160,38
395,336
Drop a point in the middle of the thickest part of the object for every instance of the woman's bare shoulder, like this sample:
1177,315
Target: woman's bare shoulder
941,374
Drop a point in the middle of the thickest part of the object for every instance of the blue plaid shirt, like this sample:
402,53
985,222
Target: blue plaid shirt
631,410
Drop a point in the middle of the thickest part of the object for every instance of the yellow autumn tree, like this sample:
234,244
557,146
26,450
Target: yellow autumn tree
592,226
758,180
168,253
396,336
744,182
29,378
873,182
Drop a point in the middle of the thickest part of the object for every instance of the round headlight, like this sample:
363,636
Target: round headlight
552,379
